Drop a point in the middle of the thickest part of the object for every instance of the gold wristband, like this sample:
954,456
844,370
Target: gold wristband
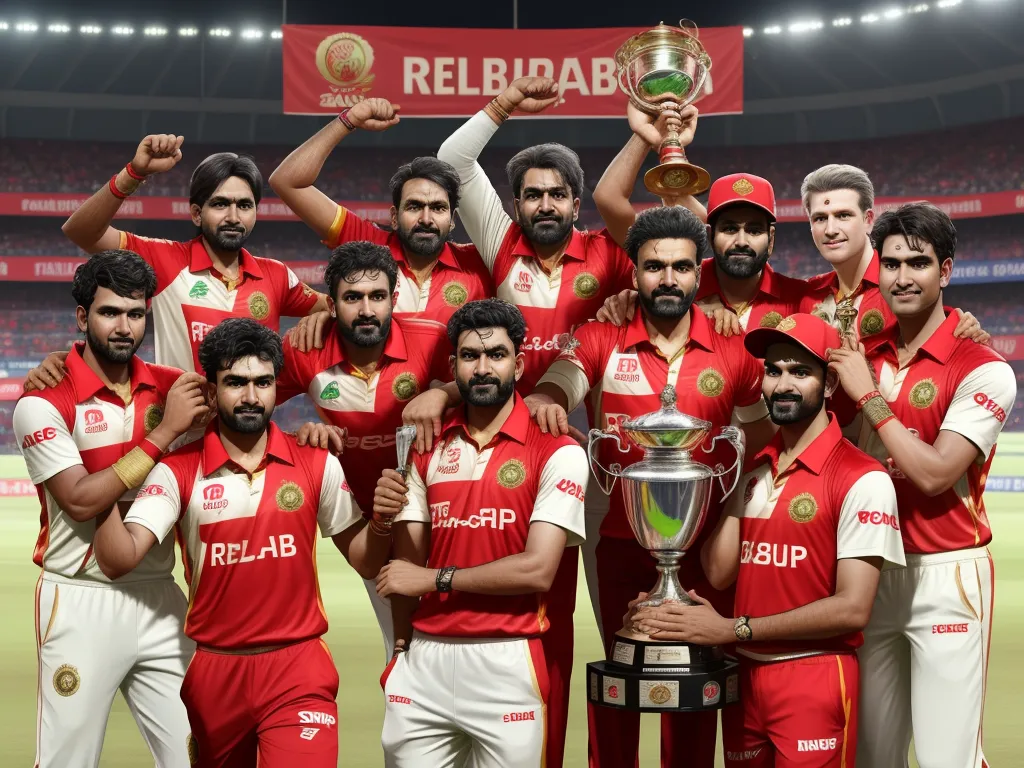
133,467
380,529
497,110
126,184
876,410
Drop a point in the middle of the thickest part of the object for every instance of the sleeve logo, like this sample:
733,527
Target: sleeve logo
37,437
152,490
879,518
572,489
991,406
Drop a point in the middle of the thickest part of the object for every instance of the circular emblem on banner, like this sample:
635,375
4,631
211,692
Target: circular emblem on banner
455,294
771,320
405,386
785,325
923,394
154,415
193,750
512,474
802,508
872,322
259,306
585,286
345,60
748,492
66,680
743,187
710,383
659,694
289,496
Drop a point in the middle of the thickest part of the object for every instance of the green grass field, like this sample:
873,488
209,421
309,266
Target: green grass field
356,644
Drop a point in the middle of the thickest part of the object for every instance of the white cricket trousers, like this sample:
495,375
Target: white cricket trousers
96,638
924,662
382,610
453,702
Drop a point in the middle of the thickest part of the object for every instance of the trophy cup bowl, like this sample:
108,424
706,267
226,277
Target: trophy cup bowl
667,68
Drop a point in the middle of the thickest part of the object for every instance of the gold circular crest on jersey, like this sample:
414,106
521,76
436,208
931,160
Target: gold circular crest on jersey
154,415
259,306
192,746
803,508
405,386
659,694
66,680
785,324
586,285
743,187
771,320
872,322
512,474
923,394
710,383
289,496
455,294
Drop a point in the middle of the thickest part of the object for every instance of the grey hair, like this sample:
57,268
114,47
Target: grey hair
835,176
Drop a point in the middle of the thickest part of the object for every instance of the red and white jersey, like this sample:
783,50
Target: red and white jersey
250,542
416,354
480,503
81,422
716,379
458,276
822,295
192,297
777,296
833,502
955,385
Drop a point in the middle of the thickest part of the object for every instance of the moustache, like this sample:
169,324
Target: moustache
741,252
786,399
240,230
371,322
425,230
120,340
546,217
483,381
657,293
241,410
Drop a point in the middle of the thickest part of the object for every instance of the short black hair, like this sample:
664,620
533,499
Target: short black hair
920,223
216,169
358,256
431,169
666,222
557,157
235,338
123,272
487,313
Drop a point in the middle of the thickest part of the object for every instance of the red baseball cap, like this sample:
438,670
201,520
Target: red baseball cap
741,188
808,331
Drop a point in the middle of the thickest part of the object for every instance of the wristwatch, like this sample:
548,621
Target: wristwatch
742,629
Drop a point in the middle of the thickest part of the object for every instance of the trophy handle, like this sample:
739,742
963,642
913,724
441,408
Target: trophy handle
595,436
735,438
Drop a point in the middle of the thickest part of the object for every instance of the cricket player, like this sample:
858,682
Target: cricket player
370,366
248,499
435,276
485,517
620,372
211,277
804,542
88,444
931,407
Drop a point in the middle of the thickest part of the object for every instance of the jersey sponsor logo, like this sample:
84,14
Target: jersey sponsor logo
154,415
450,460
214,495
230,553
518,717
627,369
199,330
872,322
816,745
746,754
523,282
405,386
586,285
950,629
95,421
308,733
488,517
199,290
289,496
512,474
152,490
259,306
802,508
454,294
66,680
712,693
879,518
396,699
536,344
370,442
330,392
572,489
307,717
923,393
764,553
37,437
771,320
710,383
991,406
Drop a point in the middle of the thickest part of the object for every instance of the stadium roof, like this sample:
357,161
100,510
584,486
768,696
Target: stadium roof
818,76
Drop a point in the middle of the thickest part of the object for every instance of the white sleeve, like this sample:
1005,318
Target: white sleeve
157,506
748,414
293,279
480,209
560,497
46,443
869,522
981,404
416,510
338,509
568,375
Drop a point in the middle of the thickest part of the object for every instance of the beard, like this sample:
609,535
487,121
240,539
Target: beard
246,419
667,302
741,268
226,237
366,332
486,391
547,229
116,349
421,240
792,408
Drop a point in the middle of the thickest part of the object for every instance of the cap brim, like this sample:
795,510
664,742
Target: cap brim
737,201
758,340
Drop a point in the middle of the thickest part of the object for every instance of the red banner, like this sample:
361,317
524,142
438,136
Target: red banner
17,488
454,72
1010,347
10,389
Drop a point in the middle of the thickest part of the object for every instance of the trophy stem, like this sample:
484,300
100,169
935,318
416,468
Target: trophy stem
668,589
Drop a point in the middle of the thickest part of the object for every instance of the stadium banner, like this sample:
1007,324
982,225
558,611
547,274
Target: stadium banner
10,389
327,68
20,487
1006,271
1011,347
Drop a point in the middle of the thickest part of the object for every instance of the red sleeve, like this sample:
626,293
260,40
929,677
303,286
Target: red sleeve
166,257
440,359
751,372
590,349
294,296
295,376
349,226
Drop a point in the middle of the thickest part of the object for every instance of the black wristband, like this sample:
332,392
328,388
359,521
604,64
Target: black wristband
443,582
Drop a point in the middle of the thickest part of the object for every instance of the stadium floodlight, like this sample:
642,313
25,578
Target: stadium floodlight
748,31
842,21
948,3
90,29
122,30
58,29
187,32
252,34
799,27
892,13
773,30
154,31
919,8
220,32
869,18
4,26
277,34
27,27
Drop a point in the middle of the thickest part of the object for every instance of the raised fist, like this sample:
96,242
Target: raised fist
654,128
374,114
157,154
532,94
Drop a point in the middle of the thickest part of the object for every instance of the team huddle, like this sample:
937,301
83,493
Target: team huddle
849,574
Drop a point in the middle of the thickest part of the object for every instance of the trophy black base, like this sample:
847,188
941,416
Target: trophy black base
670,689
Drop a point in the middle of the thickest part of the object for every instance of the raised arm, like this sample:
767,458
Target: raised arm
89,227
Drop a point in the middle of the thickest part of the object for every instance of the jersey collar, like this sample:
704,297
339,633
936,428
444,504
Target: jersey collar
700,330
813,457
199,260
215,456
939,346
88,384
709,285
394,347
515,426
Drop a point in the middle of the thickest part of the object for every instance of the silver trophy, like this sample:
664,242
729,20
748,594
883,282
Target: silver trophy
405,437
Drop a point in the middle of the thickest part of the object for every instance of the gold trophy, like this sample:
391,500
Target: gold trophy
667,68
846,315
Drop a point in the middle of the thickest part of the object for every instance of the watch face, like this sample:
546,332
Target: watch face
743,630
